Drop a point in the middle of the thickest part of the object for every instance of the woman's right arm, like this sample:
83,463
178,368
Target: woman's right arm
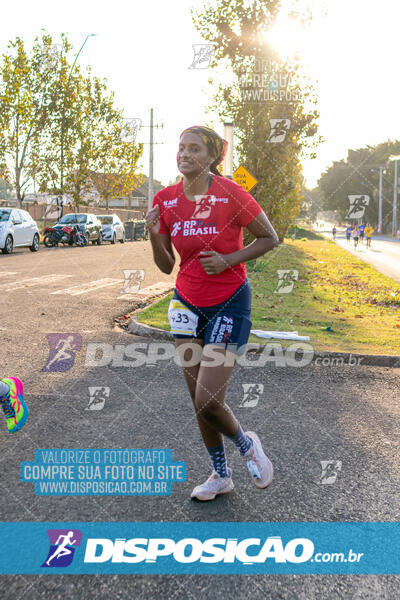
161,242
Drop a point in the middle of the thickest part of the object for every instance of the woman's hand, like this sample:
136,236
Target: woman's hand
214,262
153,219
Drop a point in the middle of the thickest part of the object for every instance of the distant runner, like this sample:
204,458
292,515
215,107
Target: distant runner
348,233
368,234
334,233
361,229
355,234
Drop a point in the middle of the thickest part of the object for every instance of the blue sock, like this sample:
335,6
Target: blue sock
242,441
218,459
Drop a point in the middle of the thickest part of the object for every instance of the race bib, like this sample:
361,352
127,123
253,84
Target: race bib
181,319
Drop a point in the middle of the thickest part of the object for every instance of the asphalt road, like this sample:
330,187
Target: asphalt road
304,416
383,255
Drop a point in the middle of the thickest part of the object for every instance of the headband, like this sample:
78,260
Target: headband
217,146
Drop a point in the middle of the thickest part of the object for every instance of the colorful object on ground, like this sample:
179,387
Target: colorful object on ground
14,405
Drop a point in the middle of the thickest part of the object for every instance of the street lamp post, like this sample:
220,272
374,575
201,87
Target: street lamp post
394,158
63,122
380,200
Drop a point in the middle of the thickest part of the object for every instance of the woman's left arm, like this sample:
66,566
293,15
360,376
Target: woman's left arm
266,239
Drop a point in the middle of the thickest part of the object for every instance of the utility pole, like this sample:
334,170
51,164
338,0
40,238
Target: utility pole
394,158
151,162
380,200
394,221
151,158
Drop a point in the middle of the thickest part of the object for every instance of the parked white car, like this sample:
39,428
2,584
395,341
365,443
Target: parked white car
17,229
113,228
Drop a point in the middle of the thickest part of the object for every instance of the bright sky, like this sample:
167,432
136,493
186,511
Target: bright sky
144,50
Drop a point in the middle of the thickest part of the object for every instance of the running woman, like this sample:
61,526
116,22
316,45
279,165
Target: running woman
355,235
13,404
203,217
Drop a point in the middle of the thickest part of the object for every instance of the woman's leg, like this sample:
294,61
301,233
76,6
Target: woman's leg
210,392
210,436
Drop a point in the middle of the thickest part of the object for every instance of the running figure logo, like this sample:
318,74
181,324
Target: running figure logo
130,129
286,279
203,206
62,351
330,470
203,55
49,56
177,226
252,392
132,277
63,543
357,206
279,129
98,396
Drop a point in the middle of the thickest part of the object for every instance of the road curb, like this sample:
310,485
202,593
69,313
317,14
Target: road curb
320,358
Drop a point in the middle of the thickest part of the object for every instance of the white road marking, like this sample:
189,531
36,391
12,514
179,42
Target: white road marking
31,281
2,273
152,290
84,288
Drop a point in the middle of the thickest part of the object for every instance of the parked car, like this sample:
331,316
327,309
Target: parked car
18,229
89,225
113,228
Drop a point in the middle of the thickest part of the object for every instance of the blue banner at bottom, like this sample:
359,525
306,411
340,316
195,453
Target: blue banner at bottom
200,548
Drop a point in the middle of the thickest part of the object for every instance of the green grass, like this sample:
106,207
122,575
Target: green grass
297,232
342,303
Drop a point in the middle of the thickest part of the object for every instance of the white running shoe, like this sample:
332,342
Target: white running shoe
259,465
213,486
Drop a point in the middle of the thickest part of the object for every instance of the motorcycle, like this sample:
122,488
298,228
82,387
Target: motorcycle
78,237
64,235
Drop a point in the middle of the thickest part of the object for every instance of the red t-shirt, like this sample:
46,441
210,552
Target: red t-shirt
214,222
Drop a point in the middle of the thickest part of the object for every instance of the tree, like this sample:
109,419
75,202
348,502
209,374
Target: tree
311,204
358,174
57,125
116,162
5,190
237,31
24,107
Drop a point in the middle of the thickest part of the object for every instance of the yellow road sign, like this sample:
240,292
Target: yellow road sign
242,177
